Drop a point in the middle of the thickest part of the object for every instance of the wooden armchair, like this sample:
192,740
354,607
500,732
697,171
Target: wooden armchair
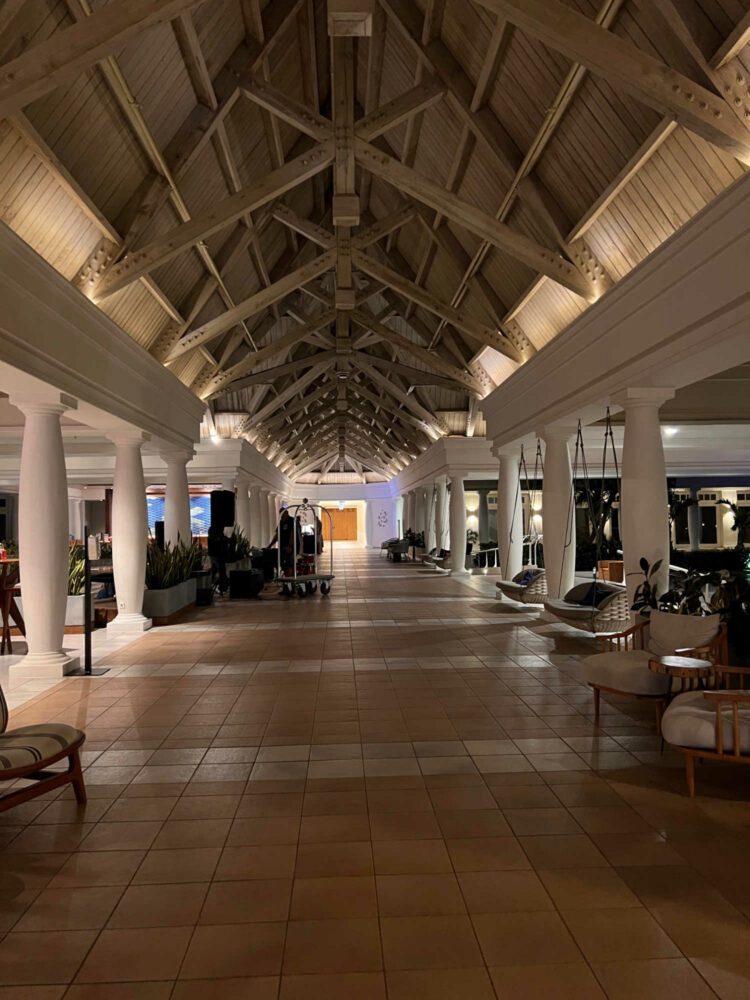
622,667
714,725
27,751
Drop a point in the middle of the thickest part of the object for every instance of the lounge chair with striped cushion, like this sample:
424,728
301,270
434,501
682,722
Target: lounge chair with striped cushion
27,751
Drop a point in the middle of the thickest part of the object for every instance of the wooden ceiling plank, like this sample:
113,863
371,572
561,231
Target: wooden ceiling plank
576,36
218,217
508,240
399,110
373,86
67,53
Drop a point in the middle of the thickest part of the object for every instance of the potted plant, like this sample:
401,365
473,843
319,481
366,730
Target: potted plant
731,600
170,584
471,538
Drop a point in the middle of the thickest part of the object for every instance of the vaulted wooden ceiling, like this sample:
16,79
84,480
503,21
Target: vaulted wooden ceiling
344,222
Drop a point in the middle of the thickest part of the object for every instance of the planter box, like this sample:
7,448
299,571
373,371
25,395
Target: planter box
73,612
163,604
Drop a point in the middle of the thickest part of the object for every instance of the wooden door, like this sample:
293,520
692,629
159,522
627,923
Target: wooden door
344,524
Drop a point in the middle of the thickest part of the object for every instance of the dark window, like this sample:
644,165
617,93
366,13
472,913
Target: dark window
708,526
681,532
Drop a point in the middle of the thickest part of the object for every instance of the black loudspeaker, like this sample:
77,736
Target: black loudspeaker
159,533
222,508
246,583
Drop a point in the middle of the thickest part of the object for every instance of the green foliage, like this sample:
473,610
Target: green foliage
11,547
105,550
414,538
238,546
76,570
472,536
169,566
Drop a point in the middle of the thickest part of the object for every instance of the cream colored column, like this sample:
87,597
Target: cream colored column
256,518
266,533
429,518
509,515
43,537
419,510
129,535
177,499
441,503
644,517
558,511
273,518
458,527
368,524
243,517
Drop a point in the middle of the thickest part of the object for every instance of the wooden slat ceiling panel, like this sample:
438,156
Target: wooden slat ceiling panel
92,165
550,310
220,30
137,313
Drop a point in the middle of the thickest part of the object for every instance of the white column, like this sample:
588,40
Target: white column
129,535
368,524
256,518
483,516
242,513
558,512
266,534
419,512
458,526
177,499
644,518
509,516
429,528
43,538
441,502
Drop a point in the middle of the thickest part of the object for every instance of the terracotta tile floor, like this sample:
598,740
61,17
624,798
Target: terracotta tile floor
396,792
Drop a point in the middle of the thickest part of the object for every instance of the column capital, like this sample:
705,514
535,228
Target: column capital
43,402
127,437
507,450
652,397
557,432
177,456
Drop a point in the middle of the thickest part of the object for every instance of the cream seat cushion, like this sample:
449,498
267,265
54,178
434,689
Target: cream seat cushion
690,721
625,671
31,746
670,632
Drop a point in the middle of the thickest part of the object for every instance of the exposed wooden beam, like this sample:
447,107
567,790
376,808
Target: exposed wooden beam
69,52
383,227
305,227
255,303
473,328
251,360
497,233
576,36
433,20
172,243
291,390
467,382
733,44
373,84
399,110
287,109
429,420
496,49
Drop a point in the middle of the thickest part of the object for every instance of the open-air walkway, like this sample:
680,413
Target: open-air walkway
398,791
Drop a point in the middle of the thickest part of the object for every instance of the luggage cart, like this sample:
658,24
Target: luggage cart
309,568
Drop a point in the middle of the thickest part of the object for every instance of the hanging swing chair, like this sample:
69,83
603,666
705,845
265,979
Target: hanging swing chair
530,585
597,607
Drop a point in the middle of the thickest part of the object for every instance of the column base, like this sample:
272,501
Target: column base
460,572
43,666
129,623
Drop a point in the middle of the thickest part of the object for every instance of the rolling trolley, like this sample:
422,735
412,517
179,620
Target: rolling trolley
309,568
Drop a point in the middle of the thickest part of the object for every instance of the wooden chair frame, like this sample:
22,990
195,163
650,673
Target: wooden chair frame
635,638
44,782
720,698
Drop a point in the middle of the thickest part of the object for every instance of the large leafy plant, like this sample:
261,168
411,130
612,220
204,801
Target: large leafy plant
76,571
168,566
238,546
741,524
